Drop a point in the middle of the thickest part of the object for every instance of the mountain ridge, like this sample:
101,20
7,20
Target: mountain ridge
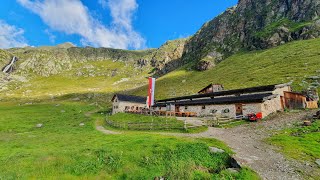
249,26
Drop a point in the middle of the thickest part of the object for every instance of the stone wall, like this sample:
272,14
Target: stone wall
120,106
251,108
218,110
271,106
280,91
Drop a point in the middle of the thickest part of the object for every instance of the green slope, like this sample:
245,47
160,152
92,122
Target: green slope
98,80
294,62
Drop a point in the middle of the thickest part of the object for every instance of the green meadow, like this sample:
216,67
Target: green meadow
301,143
62,149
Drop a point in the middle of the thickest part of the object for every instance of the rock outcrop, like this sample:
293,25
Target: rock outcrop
252,25
52,60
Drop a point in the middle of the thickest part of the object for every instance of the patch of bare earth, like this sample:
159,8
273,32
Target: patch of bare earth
248,142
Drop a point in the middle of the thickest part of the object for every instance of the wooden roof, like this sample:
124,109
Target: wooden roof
210,85
130,98
252,98
258,89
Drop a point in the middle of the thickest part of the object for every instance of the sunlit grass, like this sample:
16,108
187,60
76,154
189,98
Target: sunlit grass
63,149
293,62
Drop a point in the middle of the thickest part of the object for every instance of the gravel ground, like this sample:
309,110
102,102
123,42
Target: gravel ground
247,141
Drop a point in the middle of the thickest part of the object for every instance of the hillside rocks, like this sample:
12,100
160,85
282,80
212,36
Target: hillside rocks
318,162
168,56
47,61
216,150
252,25
203,65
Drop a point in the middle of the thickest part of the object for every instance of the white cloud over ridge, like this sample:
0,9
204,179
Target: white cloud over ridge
73,17
11,36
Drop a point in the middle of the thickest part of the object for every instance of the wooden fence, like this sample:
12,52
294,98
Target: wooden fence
152,125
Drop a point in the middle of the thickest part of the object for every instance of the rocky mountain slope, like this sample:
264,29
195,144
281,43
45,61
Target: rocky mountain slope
297,62
252,25
249,26
65,69
46,61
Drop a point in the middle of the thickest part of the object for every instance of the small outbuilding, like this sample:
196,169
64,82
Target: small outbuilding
211,88
128,103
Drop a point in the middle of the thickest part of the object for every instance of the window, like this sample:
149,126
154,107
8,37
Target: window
214,111
226,111
186,107
137,108
203,107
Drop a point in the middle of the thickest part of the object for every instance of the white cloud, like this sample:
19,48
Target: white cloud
103,3
72,17
11,36
51,36
122,12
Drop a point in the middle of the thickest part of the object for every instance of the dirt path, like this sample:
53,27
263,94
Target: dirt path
248,142
105,131
99,127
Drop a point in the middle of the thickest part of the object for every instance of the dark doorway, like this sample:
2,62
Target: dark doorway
239,109
177,108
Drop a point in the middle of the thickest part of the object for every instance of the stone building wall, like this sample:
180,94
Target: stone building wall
217,110
120,106
280,91
271,106
251,108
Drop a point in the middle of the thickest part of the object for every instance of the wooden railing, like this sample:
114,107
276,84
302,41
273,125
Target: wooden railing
151,125
163,113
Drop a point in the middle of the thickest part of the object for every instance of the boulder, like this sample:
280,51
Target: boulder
203,65
233,170
39,125
307,123
318,162
216,150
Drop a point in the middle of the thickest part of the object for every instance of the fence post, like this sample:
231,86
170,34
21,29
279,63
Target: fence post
167,123
185,124
151,123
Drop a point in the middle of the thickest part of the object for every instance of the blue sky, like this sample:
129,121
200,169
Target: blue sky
125,24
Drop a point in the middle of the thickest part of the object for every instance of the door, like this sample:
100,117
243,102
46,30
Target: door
177,108
239,109
282,102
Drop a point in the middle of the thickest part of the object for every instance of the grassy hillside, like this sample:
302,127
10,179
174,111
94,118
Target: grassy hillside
97,80
62,149
85,79
294,62
4,58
